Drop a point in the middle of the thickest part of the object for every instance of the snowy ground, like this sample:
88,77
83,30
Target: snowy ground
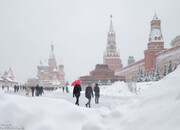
155,107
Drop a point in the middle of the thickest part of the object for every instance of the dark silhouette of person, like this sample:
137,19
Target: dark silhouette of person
32,90
88,94
97,93
77,93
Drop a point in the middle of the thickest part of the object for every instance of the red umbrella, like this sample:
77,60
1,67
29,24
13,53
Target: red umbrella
76,82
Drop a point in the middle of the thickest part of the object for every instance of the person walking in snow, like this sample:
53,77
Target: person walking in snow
67,89
28,89
77,93
97,93
63,89
41,91
37,90
15,88
2,87
88,94
32,90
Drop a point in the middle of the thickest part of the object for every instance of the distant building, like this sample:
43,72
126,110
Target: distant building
155,55
102,75
131,60
111,56
49,74
176,41
7,79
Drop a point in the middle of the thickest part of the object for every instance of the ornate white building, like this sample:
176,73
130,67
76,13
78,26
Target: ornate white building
49,74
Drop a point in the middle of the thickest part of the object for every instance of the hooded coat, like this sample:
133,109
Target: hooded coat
89,92
77,90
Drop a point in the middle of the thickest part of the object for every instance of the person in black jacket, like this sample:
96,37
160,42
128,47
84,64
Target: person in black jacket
97,93
32,90
76,93
88,94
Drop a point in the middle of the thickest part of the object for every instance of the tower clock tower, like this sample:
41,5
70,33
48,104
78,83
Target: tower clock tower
111,56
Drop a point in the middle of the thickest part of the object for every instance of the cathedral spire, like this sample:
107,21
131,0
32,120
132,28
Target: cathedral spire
52,52
111,25
52,47
155,17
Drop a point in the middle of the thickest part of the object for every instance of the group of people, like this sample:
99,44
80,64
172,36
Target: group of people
38,91
67,89
16,88
88,94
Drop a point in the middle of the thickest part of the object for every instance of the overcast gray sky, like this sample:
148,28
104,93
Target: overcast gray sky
78,29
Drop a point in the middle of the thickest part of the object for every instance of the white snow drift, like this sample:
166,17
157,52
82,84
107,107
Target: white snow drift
157,107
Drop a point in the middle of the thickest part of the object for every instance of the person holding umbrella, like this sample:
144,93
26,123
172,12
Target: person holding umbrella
88,94
76,91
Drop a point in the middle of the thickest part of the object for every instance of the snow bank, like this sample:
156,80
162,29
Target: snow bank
156,108
2,95
117,89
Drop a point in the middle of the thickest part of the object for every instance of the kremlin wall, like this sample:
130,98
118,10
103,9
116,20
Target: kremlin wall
112,70
155,56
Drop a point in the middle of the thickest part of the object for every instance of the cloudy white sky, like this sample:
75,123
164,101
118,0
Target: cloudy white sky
78,29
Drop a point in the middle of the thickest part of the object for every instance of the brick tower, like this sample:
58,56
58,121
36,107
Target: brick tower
155,45
111,56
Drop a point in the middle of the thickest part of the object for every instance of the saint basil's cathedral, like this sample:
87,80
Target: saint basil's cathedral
49,74
112,70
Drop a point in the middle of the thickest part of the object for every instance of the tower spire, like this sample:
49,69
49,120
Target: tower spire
52,47
111,25
155,33
155,16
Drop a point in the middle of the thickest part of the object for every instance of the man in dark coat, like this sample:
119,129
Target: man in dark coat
88,94
97,93
37,90
41,91
76,93
15,88
32,90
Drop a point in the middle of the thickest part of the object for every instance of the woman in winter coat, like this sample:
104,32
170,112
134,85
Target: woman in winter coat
97,93
77,93
28,90
88,94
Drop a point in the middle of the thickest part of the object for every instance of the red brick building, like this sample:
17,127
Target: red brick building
104,73
111,56
155,55
49,74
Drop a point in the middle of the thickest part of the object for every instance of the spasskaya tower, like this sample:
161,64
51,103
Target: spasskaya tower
111,56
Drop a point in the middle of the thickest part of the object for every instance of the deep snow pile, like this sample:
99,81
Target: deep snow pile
156,108
117,89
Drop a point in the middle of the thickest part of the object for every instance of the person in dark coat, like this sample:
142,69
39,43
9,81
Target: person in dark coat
88,94
63,89
97,93
32,90
37,90
41,91
77,93
15,88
